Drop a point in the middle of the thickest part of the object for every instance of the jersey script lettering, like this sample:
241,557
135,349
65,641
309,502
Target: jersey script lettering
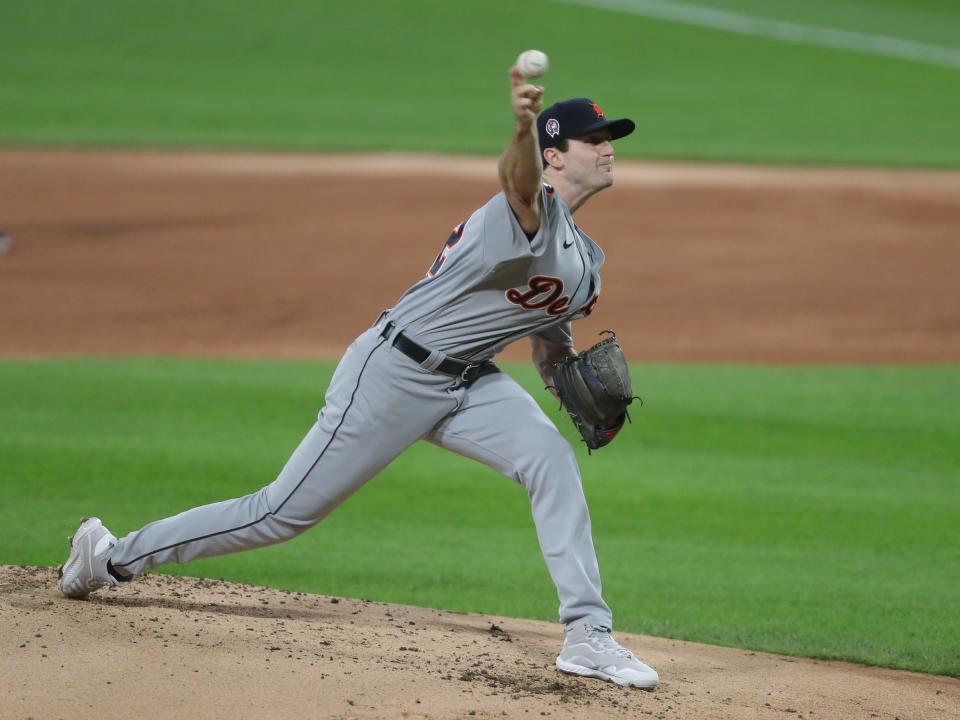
543,292
588,308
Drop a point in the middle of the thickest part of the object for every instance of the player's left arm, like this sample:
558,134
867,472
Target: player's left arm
545,353
520,166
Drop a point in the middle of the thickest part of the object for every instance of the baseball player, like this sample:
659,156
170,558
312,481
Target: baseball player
517,267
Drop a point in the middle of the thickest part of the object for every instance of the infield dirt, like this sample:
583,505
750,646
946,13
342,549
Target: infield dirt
293,256
243,255
172,647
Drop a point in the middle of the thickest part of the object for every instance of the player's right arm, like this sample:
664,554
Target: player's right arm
520,166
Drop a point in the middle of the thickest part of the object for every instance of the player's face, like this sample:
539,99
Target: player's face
589,160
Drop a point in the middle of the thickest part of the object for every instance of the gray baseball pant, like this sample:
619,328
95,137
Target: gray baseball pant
380,402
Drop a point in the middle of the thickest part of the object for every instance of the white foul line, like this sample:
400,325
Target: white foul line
703,16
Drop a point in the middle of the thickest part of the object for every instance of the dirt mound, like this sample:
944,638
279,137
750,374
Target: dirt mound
170,647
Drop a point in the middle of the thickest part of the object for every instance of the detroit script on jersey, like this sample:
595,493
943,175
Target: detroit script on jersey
491,284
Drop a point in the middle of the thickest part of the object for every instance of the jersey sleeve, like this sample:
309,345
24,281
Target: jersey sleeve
504,238
559,334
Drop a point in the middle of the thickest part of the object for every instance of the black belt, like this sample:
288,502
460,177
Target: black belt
467,372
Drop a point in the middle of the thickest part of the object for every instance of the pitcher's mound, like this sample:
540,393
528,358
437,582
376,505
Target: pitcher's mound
170,647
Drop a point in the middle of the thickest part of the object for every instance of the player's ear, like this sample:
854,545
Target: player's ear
554,158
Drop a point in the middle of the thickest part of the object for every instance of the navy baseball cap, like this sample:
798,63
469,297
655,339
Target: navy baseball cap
579,116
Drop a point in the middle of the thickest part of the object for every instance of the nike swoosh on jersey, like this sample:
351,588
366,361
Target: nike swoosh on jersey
568,244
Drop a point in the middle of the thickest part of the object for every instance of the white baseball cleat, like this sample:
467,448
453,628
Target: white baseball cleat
86,568
589,650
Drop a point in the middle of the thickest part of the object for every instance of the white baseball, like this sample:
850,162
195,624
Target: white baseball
532,63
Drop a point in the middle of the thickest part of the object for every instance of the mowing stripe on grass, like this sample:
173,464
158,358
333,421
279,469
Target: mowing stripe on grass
702,16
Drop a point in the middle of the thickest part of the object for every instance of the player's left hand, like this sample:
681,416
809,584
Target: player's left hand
527,99
595,389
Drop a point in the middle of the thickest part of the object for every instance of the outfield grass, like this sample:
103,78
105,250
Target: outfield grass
916,20
803,511
429,75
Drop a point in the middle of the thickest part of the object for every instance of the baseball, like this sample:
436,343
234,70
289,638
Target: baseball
532,63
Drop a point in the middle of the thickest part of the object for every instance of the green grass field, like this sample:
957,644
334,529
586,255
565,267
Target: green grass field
802,511
430,75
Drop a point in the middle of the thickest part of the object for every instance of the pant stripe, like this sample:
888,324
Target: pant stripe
290,495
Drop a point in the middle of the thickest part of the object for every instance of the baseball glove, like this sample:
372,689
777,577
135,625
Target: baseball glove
595,390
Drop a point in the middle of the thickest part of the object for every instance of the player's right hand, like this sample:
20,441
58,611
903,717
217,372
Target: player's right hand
527,99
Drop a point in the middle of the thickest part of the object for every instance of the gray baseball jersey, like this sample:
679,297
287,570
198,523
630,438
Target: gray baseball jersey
489,286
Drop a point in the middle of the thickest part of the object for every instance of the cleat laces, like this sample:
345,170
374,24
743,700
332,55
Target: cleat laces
601,636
